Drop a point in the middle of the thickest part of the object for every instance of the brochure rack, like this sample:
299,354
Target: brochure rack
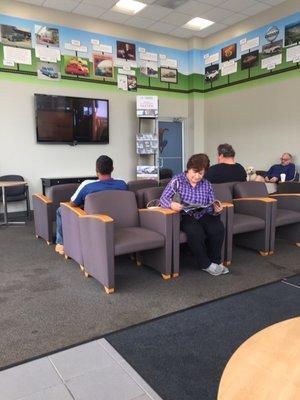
147,138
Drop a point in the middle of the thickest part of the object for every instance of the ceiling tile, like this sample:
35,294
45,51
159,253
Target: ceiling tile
194,8
106,4
234,18
161,27
66,5
154,12
88,10
176,18
182,33
211,2
260,7
273,2
217,14
210,30
34,2
139,22
112,16
238,5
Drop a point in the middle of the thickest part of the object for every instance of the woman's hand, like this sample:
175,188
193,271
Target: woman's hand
218,207
176,206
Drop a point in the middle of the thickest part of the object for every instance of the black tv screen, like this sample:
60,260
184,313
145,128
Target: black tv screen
62,119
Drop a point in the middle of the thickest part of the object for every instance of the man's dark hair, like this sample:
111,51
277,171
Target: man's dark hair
198,162
104,165
226,150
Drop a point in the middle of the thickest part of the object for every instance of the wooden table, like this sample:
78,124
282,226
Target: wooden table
4,185
266,366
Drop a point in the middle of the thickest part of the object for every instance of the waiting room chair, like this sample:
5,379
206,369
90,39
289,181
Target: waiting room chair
288,187
178,237
44,209
112,225
285,213
137,184
18,193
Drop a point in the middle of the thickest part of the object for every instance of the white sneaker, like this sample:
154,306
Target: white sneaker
214,269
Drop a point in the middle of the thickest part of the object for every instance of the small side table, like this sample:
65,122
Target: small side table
4,185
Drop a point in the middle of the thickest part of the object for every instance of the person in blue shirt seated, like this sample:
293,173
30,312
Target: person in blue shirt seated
285,167
104,168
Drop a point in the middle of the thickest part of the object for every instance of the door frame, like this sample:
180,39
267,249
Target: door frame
183,133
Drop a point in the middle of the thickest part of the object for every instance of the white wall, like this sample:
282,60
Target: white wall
20,154
260,122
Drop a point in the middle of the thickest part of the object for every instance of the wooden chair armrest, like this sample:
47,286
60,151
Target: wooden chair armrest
100,217
262,199
77,210
43,198
226,204
166,211
285,194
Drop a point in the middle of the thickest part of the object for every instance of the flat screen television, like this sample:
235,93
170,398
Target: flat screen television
63,119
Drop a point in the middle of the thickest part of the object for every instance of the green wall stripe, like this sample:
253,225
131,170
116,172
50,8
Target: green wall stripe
162,92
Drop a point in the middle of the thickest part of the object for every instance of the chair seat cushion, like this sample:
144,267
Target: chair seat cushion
246,223
130,240
182,237
286,217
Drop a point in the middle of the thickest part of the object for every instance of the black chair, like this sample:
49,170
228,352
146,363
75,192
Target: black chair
18,193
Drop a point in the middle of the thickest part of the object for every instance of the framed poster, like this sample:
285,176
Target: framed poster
103,66
169,75
250,60
228,52
126,51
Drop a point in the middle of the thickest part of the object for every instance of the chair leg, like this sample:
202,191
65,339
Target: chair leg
264,253
109,290
27,203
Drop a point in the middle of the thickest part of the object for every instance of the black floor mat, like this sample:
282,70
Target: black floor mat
182,356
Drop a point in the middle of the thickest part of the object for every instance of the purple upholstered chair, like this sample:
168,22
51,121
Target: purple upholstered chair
146,196
137,184
71,232
285,219
113,225
44,208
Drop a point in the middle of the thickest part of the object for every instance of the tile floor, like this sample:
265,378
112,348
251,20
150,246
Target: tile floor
93,371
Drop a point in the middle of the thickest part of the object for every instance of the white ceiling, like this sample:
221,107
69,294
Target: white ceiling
167,16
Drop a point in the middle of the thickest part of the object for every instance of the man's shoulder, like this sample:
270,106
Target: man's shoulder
119,182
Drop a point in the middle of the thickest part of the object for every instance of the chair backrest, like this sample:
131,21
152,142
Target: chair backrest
61,193
223,191
13,191
165,173
250,189
144,196
296,179
164,182
262,173
133,186
288,187
120,205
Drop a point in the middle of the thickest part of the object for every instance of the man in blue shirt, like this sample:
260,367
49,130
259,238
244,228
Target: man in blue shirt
285,167
104,168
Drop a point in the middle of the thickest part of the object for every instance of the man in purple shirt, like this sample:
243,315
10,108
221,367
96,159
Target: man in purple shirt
203,227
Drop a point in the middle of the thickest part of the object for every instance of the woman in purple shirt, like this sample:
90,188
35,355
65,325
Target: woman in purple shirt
204,229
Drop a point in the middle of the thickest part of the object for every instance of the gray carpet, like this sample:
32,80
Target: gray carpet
46,304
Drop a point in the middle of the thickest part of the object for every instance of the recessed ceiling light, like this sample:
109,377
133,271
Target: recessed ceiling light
197,24
129,7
